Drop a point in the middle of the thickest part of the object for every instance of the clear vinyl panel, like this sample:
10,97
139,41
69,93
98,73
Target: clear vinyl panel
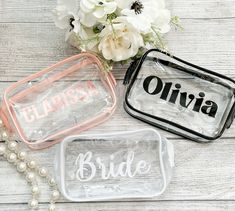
114,166
187,99
67,96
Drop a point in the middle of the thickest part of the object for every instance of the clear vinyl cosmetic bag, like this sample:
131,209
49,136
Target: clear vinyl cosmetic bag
121,165
179,97
68,97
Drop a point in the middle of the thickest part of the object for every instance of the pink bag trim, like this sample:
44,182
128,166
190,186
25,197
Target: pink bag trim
106,78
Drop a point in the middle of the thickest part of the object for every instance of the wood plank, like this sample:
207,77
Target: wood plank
209,43
134,206
203,172
201,9
26,11
40,10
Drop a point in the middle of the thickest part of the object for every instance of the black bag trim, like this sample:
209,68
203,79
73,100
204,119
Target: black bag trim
135,68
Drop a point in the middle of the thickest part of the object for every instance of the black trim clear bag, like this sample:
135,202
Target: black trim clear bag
179,97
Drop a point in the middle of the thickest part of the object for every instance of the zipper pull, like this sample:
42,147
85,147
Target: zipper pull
230,120
130,71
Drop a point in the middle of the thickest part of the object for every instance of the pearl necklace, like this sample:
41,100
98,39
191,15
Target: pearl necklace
29,168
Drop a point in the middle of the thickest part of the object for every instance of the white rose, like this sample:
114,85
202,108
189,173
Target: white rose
119,42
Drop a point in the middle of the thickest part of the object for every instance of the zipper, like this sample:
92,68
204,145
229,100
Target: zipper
231,118
130,71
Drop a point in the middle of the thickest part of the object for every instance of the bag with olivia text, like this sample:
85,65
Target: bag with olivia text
179,97
68,97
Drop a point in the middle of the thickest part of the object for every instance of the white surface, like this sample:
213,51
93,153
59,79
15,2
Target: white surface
204,177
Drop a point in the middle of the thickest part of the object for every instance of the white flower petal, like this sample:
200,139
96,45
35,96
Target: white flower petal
164,16
110,7
70,5
95,2
79,29
99,12
98,8
88,19
164,29
124,4
162,21
61,23
86,7
128,12
61,17
153,4
152,12
121,46
68,34
143,25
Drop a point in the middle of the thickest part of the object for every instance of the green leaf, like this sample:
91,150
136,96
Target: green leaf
98,28
111,16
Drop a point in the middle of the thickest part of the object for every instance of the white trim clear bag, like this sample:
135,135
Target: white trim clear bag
120,165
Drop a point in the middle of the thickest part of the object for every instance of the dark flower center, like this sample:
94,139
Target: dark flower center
71,22
137,6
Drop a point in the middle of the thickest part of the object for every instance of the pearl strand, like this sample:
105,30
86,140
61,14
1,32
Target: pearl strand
24,165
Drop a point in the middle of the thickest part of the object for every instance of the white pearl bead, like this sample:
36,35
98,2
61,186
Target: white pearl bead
12,145
21,167
51,207
33,204
1,123
2,149
12,158
35,190
22,155
32,164
30,176
51,182
42,172
4,135
55,195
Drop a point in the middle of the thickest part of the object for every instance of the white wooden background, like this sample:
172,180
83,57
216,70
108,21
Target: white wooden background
204,177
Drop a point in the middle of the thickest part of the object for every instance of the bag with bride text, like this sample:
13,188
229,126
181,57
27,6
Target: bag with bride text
119,165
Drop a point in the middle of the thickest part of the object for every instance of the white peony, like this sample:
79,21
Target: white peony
143,14
94,10
119,42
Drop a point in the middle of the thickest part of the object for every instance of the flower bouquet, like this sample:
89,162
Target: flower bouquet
116,30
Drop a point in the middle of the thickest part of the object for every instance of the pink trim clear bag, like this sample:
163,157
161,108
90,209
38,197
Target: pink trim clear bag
67,98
